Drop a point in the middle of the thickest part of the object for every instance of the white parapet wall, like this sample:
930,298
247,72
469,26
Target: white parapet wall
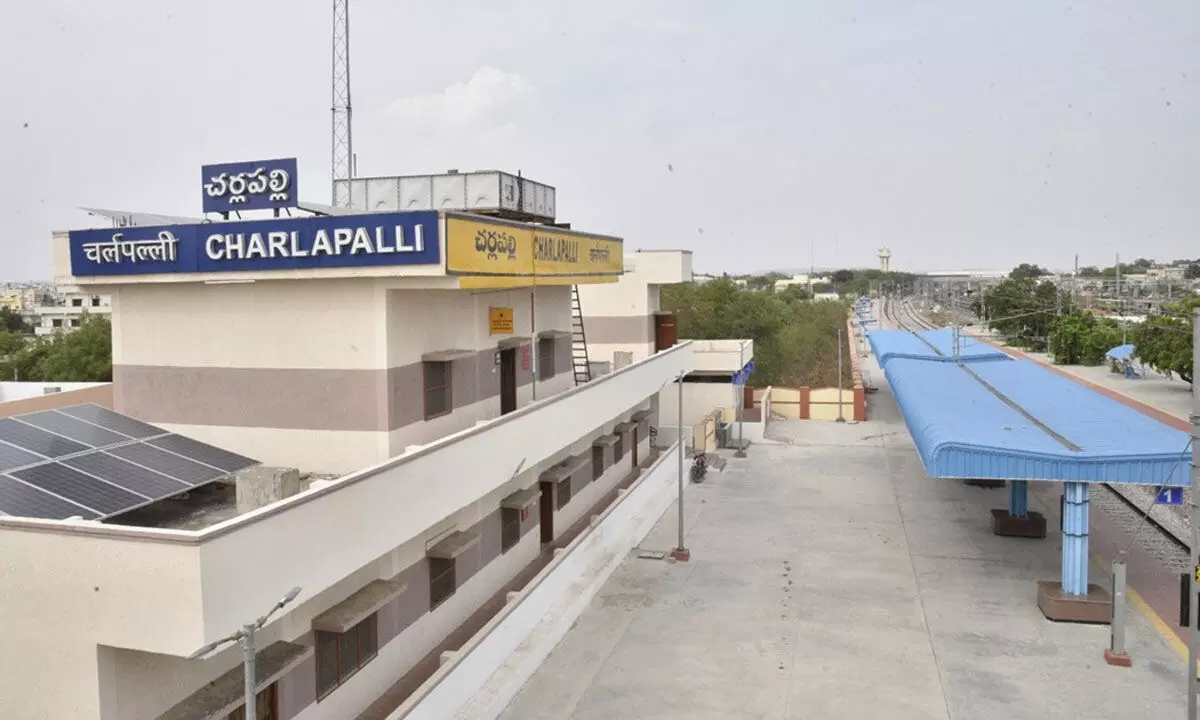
479,681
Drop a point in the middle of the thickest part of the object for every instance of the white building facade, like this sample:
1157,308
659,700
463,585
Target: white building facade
437,390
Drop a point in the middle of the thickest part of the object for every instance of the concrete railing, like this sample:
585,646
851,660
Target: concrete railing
181,589
480,680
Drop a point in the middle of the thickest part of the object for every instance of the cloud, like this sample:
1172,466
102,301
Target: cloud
489,99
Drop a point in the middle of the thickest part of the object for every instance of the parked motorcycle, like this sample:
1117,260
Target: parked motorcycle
699,468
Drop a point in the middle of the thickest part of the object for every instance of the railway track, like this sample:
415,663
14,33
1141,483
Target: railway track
1160,530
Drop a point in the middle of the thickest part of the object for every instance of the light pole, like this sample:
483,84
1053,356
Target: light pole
681,552
245,636
840,417
741,398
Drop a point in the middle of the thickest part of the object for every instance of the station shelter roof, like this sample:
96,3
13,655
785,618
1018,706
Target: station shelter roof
1016,420
931,345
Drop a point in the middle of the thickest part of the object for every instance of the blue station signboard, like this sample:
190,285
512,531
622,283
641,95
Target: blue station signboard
367,240
257,185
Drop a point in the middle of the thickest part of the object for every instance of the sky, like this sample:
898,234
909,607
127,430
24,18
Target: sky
765,134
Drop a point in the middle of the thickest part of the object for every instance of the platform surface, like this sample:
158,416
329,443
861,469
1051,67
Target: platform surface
830,579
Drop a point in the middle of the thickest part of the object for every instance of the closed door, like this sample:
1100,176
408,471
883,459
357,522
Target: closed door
508,381
665,332
546,512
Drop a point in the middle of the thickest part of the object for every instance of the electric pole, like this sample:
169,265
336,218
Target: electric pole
1193,584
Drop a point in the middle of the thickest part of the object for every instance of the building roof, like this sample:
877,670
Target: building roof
1016,420
933,345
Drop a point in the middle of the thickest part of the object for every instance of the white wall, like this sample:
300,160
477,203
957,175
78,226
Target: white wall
21,390
699,399
317,324
420,321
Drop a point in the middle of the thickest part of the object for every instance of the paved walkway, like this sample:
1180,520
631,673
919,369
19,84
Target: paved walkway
831,579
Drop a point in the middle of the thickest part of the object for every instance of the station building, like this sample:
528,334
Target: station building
410,384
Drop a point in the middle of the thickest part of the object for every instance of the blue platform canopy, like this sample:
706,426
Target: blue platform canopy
1018,421
930,345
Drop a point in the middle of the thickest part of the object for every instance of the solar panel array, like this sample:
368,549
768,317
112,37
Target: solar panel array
91,462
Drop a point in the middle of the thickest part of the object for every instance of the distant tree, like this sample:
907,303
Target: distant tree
1164,341
1191,271
12,321
82,355
10,344
1089,271
1023,310
1081,338
761,282
842,276
1026,270
795,340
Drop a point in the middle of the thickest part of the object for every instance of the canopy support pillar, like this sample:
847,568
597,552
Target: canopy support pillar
1018,520
1073,599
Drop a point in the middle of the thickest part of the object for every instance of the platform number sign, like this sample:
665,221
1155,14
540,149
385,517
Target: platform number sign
1169,496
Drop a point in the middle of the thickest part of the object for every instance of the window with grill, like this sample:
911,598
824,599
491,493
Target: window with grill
545,358
340,655
564,492
442,583
76,302
510,528
437,389
56,322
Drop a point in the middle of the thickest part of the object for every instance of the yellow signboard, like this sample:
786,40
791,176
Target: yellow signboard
494,254
500,320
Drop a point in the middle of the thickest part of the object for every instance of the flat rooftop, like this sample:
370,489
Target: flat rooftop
831,579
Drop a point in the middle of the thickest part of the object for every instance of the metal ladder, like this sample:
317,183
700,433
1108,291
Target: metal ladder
579,351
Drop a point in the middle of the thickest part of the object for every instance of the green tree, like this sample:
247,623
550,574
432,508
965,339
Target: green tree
82,355
1023,310
1192,271
1164,341
842,276
12,321
1081,338
795,340
1026,270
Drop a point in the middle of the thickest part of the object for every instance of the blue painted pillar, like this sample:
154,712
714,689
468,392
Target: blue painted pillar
1018,498
1075,538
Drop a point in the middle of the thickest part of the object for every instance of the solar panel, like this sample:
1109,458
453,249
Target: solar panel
74,428
11,457
127,475
110,420
17,498
89,461
200,452
39,441
79,488
164,462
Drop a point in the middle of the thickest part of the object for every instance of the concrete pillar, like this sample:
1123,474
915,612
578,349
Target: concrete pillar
1075,539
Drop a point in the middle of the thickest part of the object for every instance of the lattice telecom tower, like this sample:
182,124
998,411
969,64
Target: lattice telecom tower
343,146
